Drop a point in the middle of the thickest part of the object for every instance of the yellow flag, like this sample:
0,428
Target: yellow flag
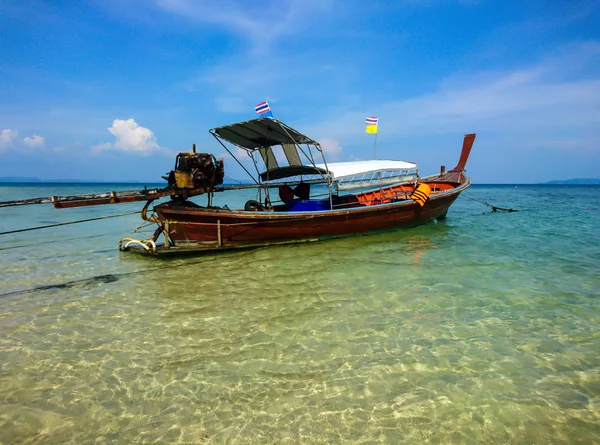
371,129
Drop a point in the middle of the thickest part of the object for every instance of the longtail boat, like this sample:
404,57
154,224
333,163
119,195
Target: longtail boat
282,214
299,196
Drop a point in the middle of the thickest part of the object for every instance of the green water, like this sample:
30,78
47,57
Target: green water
481,329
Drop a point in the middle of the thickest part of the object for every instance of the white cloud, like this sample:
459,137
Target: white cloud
331,148
232,104
259,23
545,101
7,137
239,82
131,138
34,142
240,154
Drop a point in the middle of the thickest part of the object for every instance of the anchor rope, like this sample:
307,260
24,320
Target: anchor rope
142,226
68,223
493,207
54,241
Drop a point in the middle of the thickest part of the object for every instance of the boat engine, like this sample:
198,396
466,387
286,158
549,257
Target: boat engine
196,170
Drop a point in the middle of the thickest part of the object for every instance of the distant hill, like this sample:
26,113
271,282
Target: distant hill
577,181
20,179
27,180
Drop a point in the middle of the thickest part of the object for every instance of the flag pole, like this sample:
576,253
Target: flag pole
375,146
373,127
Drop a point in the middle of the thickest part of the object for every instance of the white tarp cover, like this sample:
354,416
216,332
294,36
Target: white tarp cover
352,168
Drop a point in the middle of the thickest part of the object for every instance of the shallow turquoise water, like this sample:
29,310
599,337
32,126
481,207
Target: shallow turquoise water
481,329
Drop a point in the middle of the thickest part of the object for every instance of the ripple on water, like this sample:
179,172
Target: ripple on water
481,329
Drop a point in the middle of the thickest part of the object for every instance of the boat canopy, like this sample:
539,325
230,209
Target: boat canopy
353,168
360,174
352,174
294,161
259,133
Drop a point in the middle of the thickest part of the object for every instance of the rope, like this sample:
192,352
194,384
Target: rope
494,208
232,180
67,223
141,226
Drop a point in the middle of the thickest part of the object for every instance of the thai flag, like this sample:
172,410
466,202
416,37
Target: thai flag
263,109
372,120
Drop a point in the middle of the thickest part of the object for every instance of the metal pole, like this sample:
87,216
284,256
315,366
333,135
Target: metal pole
236,159
219,236
375,146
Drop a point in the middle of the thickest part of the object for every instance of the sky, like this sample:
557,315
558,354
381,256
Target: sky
111,90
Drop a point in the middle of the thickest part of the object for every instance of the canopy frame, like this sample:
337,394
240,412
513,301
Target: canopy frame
261,135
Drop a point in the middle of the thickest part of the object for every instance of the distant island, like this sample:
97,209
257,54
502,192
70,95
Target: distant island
28,180
577,181
20,179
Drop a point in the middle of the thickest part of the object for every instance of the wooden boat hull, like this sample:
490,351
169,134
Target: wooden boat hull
187,227
198,228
